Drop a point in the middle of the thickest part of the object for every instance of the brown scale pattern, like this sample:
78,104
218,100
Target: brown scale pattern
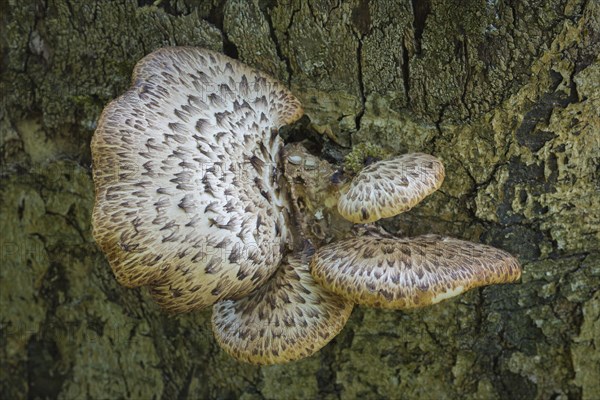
186,169
390,187
289,318
409,272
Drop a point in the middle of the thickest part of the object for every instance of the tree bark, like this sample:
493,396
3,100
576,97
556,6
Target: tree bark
506,93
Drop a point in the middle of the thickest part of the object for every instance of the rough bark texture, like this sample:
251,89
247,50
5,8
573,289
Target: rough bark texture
506,93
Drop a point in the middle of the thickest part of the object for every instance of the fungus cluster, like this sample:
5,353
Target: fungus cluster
191,202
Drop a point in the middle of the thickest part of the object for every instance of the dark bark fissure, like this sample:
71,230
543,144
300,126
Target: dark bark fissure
216,17
421,10
266,10
361,17
406,73
361,86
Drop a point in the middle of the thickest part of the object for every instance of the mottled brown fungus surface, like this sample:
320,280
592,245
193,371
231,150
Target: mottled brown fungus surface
187,178
403,273
387,188
289,318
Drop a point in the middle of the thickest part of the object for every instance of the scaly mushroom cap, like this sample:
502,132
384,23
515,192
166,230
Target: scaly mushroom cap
408,273
186,175
289,318
387,188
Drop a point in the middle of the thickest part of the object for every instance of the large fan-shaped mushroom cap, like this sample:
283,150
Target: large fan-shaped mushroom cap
185,169
409,272
387,188
289,318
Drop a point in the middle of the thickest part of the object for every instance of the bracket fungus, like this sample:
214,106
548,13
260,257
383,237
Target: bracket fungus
187,185
290,317
384,271
403,273
191,201
387,188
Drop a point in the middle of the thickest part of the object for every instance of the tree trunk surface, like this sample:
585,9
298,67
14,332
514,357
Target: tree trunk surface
506,93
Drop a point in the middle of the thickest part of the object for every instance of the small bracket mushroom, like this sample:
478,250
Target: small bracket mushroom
289,318
387,188
404,273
